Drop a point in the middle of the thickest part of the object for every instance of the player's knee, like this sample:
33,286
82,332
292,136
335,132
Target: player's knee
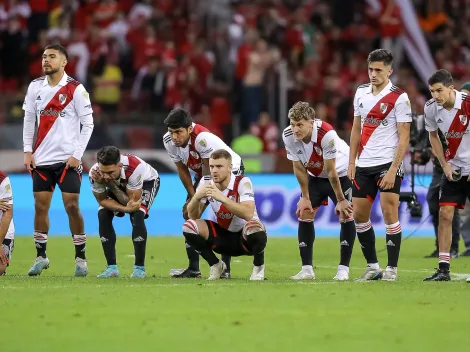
137,219
307,216
72,208
390,215
190,227
446,214
105,215
257,241
41,207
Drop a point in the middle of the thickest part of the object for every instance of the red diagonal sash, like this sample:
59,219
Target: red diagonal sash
224,216
52,111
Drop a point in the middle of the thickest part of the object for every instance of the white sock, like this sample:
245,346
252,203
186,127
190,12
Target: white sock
343,267
374,266
307,268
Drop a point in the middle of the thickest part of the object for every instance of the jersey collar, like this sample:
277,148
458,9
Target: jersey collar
62,82
384,91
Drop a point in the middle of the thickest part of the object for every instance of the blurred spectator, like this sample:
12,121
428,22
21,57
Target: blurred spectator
205,119
12,50
249,147
151,82
267,131
106,91
391,28
100,137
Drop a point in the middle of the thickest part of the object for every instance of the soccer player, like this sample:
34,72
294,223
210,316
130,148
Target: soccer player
60,105
448,111
123,183
238,230
379,140
190,146
320,160
7,228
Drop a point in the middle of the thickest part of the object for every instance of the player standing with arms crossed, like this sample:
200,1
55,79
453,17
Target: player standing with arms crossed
60,105
190,146
448,111
320,159
379,140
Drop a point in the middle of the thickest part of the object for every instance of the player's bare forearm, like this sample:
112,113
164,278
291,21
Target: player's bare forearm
404,140
301,174
185,178
194,208
244,210
436,146
5,223
112,205
354,139
121,196
333,177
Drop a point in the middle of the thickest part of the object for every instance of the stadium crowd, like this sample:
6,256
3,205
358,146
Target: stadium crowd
216,60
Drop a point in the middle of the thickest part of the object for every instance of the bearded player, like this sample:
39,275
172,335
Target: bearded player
237,230
320,161
190,146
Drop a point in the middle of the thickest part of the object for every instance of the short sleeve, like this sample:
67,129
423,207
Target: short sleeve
5,190
403,109
82,102
329,145
204,181
430,123
171,150
136,180
95,186
357,112
291,155
29,100
206,143
245,190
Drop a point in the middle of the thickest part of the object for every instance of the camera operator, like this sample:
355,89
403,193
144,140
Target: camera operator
465,213
421,146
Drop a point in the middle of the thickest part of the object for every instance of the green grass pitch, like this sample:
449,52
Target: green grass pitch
57,312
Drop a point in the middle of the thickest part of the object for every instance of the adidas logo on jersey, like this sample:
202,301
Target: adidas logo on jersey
299,152
361,105
38,98
390,243
439,120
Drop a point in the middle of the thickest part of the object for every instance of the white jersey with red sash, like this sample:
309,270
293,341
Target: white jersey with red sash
239,189
454,124
201,145
59,110
6,194
379,117
324,144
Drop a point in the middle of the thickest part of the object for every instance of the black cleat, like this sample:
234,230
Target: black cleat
439,275
434,254
225,275
187,274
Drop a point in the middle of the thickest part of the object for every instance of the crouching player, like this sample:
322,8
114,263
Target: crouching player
238,230
123,183
7,229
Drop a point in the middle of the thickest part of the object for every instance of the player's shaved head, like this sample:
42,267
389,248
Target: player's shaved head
301,111
178,118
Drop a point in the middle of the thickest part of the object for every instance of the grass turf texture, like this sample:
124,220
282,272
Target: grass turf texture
57,312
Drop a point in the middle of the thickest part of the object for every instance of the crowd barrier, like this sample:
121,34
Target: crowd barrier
276,198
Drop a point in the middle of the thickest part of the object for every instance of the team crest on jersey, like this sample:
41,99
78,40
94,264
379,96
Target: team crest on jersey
62,98
463,119
318,150
194,154
383,108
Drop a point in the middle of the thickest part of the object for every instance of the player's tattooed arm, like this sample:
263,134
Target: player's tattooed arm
108,203
404,140
121,196
185,178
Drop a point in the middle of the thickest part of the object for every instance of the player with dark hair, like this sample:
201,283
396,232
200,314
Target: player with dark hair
449,112
62,108
237,230
7,228
123,183
379,141
320,161
190,146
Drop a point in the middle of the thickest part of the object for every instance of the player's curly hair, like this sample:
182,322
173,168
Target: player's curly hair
301,111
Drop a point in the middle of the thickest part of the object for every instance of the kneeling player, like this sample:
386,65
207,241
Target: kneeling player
238,231
320,160
123,183
7,229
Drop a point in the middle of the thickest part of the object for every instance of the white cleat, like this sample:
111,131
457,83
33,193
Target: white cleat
217,270
81,267
342,275
258,273
39,265
304,274
390,274
371,274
